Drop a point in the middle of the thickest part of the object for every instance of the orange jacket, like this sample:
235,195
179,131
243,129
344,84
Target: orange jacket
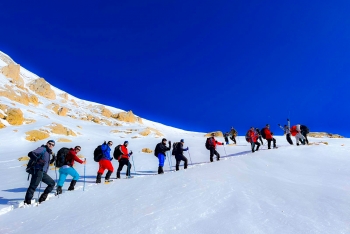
125,152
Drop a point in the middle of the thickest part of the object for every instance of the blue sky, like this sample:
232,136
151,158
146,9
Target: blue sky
196,65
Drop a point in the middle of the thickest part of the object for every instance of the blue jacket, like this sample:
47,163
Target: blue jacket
41,153
106,150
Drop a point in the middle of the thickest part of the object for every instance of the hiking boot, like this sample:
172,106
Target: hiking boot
108,175
72,184
98,178
59,190
253,151
211,160
160,170
28,202
297,144
218,159
118,174
43,197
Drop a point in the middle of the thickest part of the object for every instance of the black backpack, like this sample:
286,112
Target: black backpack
117,152
156,150
208,143
305,129
175,148
98,154
32,163
61,157
263,133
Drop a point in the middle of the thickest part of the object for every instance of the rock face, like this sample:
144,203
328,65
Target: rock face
63,140
12,71
61,130
324,134
18,96
147,150
2,125
127,117
15,116
42,88
217,134
149,130
62,111
105,112
36,135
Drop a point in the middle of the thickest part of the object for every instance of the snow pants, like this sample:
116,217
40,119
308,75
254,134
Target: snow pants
161,158
260,138
105,164
269,143
212,152
305,136
289,139
64,172
233,139
180,158
35,181
253,145
123,162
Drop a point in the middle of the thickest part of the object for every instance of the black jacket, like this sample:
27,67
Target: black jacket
161,148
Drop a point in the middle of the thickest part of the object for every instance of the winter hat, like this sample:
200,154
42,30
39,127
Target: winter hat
182,140
51,141
164,139
126,142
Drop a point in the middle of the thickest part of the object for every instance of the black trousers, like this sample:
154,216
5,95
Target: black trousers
233,139
269,142
260,138
35,181
180,158
123,162
305,135
253,145
289,139
212,152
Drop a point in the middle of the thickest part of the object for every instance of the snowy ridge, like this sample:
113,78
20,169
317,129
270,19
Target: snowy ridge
293,189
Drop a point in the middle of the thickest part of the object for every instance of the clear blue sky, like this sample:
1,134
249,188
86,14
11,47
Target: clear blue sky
197,65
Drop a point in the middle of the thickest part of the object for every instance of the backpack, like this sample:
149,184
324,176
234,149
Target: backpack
293,130
156,150
98,153
304,129
117,152
61,157
209,143
32,163
247,136
175,148
263,133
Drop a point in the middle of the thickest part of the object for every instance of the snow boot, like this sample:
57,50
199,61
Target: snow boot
118,174
72,184
98,178
160,170
108,176
28,202
257,148
43,197
211,159
59,190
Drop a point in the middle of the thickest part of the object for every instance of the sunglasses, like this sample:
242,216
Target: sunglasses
77,149
51,144
110,144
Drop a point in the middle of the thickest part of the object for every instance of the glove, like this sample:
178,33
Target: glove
222,143
187,148
53,159
130,153
111,158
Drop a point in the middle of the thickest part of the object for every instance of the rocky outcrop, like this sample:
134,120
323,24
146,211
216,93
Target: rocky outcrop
2,125
61,130
107,122
127,117
62,111
145,132
29,121
65,96
105,112
18,96
149,130
12,71
42,88
147,150
36,135
324,135
63,140
217,134
15,116
24,158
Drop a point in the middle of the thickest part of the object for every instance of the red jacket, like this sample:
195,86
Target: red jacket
214,142
71,157
268,135
293,130
253,136
125,152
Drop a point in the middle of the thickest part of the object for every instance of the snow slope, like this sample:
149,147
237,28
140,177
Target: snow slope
304,189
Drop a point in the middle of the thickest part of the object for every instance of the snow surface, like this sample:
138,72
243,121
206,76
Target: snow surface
293,189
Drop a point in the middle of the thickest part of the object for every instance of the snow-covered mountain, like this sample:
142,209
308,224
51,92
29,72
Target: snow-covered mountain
304,189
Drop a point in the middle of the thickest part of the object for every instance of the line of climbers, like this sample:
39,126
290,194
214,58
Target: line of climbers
43,156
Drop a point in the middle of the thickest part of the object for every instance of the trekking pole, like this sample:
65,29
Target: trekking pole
84,174
190,157
168,161
225,150
132,157
58,196
39,193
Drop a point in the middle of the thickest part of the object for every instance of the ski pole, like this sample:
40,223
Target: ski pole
84,174
190,157
132,157
168,161
225,150
56,180
39,193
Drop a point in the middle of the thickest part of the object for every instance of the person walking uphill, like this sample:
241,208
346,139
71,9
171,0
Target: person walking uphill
105,162
179,154
252,137
67,169
286,129
124,159
38,166
211,146
233,134
160,150
269,137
